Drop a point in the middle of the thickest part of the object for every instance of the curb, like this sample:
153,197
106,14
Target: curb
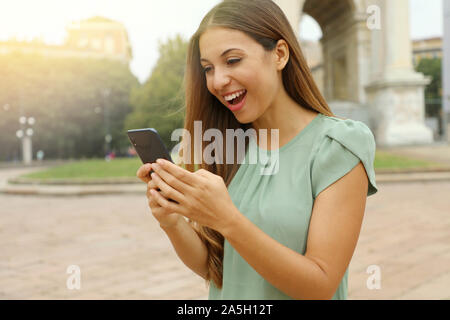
76,191
68,190
135,180
73,182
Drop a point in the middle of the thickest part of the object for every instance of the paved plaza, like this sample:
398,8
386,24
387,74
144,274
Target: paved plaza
123,254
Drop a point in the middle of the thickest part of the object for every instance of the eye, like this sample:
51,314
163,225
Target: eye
207,69
229,62
233,61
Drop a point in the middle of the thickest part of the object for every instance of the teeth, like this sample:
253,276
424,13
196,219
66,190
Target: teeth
234,96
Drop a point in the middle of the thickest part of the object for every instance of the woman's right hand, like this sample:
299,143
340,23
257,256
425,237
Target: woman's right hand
165,218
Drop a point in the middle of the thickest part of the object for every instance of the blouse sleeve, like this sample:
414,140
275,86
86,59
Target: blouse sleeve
345,144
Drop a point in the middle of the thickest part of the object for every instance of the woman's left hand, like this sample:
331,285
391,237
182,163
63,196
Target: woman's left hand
202,196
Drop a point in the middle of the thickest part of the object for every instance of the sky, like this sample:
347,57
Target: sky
151,21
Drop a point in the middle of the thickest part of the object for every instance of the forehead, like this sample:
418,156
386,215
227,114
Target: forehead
215,41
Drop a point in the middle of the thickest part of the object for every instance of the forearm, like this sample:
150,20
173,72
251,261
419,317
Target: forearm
189,247
292,273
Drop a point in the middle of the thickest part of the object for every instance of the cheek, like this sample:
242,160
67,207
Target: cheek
261,89
209,86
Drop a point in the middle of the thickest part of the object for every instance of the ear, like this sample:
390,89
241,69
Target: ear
281,54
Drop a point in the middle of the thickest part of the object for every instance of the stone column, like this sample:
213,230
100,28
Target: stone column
398,56
27,150
396,91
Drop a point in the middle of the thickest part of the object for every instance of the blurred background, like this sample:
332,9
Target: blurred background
83,72
76,75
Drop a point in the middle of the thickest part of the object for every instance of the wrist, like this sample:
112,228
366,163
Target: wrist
235,219
171,226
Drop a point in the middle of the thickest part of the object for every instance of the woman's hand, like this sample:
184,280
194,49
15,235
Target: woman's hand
202,196
166,218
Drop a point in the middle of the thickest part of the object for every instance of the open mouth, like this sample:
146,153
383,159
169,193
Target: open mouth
239,99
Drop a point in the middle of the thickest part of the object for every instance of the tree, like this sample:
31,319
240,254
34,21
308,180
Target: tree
433,92
65,96
159,103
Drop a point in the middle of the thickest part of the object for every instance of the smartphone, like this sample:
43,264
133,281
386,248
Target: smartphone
149,146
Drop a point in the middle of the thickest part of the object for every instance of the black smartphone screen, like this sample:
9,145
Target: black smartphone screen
148,145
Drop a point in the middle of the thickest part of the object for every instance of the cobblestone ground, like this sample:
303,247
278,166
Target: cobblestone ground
123,254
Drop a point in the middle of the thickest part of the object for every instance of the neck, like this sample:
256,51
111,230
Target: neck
285,115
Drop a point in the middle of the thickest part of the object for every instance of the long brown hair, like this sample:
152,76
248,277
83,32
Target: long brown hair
266,23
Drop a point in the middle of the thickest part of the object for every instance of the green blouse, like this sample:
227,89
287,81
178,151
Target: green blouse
280,204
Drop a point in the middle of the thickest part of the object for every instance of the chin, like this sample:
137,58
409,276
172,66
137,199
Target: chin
244,119
243,122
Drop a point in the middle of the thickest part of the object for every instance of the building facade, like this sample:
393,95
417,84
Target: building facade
368,72
95,37
429,48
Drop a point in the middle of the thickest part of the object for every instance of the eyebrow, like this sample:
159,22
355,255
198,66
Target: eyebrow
224,53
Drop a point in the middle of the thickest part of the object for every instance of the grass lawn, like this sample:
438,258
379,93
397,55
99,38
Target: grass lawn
127,167
86,169
385,160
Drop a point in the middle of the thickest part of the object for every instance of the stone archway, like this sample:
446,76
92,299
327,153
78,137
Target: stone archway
368,74
337,46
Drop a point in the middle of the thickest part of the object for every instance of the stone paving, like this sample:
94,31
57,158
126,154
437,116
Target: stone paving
123,254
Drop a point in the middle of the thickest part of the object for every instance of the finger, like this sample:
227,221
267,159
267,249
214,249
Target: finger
166,190
156,212
181,174
152,201
151,185
172,180
160,210
153,204
149,196
160,213
163,202
143,172
202,173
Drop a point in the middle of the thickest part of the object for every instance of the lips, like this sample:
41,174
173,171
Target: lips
239,106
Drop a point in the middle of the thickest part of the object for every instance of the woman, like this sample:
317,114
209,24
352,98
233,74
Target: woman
289,235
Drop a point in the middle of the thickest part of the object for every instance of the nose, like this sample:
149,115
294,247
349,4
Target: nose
220,79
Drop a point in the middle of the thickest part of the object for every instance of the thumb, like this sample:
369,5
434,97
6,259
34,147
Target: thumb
144,172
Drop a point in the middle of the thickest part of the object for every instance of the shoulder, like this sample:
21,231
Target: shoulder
354,135
340,146
348,131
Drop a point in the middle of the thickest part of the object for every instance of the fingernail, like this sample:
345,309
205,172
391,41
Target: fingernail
155,166
160,161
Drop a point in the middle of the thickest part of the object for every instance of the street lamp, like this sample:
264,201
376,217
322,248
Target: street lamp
25,134
108,138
